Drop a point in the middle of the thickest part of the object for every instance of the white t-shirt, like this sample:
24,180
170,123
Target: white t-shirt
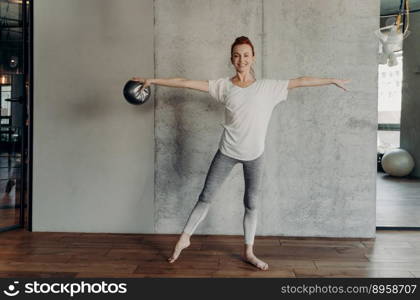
247,114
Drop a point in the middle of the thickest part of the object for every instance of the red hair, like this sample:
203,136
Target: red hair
242,40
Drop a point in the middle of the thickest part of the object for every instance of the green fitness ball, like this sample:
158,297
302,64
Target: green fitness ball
397,162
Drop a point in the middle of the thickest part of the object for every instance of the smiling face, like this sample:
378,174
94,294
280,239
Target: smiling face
242,58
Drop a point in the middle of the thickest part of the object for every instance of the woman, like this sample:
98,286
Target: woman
249,104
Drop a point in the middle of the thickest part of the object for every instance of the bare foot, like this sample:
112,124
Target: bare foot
183,242
252,259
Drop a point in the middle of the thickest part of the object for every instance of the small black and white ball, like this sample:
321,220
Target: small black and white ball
132,92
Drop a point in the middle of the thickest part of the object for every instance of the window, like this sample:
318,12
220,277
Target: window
5,92
389,105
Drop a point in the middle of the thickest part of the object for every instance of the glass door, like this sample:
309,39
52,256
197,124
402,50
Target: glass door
14,118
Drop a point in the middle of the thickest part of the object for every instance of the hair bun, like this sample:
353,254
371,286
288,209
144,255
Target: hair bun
241,41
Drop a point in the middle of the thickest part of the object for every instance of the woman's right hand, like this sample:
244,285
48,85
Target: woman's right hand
145,81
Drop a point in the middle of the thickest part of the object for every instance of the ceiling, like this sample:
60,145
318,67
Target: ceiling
392,6
387,6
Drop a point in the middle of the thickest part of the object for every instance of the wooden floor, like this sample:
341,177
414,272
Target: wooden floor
397,201
39,254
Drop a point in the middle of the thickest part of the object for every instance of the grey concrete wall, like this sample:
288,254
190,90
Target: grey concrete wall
410,106
193,40
321,144
93,152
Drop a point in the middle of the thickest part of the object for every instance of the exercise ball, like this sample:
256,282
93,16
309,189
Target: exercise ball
132,93
397,162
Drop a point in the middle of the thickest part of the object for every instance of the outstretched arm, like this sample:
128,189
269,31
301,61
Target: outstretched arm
314,81
200,85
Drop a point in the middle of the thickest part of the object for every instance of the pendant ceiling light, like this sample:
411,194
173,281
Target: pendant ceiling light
391,37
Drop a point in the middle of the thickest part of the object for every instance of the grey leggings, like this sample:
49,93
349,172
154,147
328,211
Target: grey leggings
220,169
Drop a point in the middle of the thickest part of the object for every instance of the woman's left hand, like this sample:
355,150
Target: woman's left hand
341,83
